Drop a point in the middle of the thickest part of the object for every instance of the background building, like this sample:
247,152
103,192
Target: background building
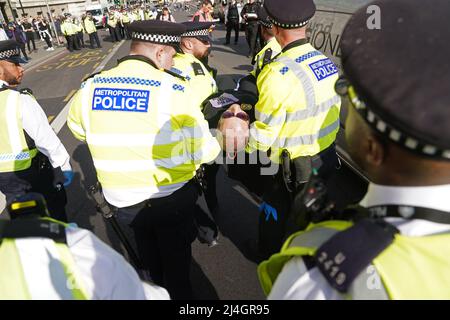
11,9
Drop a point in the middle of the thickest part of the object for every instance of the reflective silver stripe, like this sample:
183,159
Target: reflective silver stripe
270,120
143,165
42,269
310,113
306,82
309,139
313,238
11,121
368,286
86,106
145,140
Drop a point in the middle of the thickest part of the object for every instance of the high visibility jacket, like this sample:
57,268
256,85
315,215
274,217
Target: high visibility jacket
136,16
78,27
273,45
68,28
25,273
145,133
298,109
148,15
112,21
15,154
89,25
410,268
125,18
200,80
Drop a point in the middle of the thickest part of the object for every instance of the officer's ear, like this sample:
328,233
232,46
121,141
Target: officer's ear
376,149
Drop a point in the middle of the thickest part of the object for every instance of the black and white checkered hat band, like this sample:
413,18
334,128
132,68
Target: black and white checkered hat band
196,33
287,25
9,53
266,23
397,136
156,38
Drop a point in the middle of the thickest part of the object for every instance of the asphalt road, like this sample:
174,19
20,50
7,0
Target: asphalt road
225,271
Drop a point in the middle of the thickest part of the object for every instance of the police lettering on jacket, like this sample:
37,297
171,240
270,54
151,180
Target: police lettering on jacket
323,68
111,99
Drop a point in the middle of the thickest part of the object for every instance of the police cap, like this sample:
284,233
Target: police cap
9,51
400,72
290,14
200,30
263,19
156,31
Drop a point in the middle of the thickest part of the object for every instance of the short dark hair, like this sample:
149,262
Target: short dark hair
206,2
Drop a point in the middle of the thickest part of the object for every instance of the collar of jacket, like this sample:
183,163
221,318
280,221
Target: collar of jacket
293,44
138,57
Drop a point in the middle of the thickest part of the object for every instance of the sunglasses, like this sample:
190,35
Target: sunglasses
239,115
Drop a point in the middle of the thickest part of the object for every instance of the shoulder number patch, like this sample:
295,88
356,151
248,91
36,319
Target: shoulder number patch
324,68
198,70
112,99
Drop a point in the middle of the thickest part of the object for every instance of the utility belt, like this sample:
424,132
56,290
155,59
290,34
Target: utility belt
296,172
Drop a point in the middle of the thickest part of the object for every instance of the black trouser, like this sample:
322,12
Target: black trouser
71,44
46,37
251,32
30,38
114,32
22,48
164,229
80,37
232,24
94,37
40,177
272,233
127,31
121,31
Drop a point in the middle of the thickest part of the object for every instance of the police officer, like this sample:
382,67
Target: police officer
147,137
46,259
91,30
250,15
68,29
29,148
271,47
196,44
297,116
396,130
125,22
113,27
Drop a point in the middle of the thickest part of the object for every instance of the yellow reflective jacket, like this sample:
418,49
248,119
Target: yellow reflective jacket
201,81
146,134
21,281
273,45
298,109
89,25
410,268
15,155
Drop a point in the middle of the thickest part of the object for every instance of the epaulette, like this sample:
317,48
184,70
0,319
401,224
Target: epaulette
175,74
27,91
